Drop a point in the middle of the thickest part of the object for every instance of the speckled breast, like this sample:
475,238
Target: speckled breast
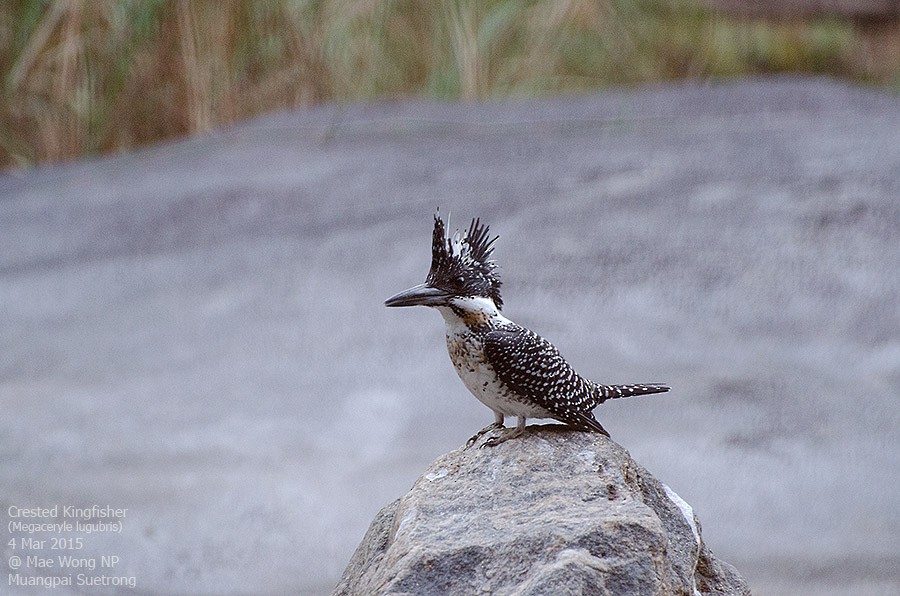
467,354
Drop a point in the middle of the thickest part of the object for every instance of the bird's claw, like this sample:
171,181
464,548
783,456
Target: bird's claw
505,435
482,432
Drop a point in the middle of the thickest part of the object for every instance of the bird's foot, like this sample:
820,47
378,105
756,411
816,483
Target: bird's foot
504,435
482,432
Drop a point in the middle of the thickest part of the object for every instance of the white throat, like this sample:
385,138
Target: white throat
465,311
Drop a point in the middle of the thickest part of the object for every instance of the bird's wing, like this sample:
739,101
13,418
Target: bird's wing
533,368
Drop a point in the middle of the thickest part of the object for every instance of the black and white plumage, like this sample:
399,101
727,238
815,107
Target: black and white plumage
511,369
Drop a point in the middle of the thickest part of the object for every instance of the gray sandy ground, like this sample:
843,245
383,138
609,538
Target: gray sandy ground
196,331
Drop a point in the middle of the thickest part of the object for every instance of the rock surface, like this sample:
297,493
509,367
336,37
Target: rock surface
555,512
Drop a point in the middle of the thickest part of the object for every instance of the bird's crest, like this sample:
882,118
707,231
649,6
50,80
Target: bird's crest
462,264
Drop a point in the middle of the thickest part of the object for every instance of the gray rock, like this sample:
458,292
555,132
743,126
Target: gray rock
555,512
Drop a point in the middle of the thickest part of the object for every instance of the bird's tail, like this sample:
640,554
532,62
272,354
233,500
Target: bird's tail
605,392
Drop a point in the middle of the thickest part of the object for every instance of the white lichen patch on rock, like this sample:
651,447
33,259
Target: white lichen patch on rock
688,512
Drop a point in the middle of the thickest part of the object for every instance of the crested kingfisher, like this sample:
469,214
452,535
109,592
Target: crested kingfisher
510,369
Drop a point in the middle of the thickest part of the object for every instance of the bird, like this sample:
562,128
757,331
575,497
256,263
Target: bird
509,368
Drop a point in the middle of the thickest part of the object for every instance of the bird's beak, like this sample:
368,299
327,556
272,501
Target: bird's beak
420,295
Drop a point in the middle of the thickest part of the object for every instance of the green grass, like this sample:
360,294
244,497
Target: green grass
84,77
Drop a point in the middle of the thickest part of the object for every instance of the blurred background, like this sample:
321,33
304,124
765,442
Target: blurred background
191,291
86,77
